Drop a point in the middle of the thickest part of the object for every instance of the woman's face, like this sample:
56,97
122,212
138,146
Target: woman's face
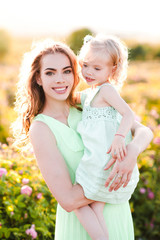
56,76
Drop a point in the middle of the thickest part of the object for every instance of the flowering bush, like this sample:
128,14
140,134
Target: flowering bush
27,208
145,202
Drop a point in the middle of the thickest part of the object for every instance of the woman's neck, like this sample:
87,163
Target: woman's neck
56,109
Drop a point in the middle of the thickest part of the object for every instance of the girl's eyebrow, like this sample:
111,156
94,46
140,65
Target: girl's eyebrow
53,69
96,65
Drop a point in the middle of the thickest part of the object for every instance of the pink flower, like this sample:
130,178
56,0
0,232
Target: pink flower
156,140
25,180
3,171
31,231
26,190
20,172
154,113
142,190
152,225
12,213
150,195
39,195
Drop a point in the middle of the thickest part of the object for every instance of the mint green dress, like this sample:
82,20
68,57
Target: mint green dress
118,216
97,129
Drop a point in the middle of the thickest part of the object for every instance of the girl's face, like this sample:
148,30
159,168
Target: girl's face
96,70
56,76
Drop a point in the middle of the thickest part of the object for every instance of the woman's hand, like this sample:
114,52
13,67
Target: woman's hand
122,171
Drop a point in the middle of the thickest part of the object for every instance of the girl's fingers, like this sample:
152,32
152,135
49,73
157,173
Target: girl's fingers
109,150
122,154
110,163
118,154
124,150
113,153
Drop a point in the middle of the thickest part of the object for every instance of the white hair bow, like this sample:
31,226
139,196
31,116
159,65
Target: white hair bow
87,38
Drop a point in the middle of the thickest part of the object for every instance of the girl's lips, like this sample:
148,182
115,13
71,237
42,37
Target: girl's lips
60,90
89,79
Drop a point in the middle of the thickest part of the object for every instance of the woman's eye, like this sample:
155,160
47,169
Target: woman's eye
68,71
49,73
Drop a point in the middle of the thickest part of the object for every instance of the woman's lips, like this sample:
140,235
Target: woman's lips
60,90
89,79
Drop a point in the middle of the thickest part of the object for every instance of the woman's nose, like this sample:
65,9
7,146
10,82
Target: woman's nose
59,78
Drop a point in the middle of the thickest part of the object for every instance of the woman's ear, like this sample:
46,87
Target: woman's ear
38,80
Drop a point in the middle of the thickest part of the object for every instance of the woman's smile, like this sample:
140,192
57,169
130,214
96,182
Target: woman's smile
60,90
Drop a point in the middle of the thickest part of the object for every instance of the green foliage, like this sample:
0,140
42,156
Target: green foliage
146,199
18,211
139,52
144,52
157,54
75,39
4,43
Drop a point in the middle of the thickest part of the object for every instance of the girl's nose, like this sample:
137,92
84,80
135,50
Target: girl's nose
89,72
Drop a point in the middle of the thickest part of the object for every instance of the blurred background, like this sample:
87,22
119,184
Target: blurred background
137,24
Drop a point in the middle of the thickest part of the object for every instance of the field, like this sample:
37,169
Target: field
141,91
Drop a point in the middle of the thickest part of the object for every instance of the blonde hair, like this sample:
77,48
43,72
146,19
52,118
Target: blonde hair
105,45
30,97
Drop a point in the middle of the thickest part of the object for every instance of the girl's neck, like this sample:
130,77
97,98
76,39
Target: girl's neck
100,84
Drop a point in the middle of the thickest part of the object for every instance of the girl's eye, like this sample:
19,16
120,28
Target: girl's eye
49,73
68,71
85,65
97,69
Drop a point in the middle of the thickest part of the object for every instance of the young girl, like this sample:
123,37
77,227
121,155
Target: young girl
105,127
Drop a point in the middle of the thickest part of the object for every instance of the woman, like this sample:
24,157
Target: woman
49,116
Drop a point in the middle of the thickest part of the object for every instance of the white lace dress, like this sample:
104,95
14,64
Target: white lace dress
97,129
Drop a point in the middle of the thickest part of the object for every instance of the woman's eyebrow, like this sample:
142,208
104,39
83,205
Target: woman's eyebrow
66,67
53,69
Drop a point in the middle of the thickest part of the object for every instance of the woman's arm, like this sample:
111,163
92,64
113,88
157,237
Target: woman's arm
53,168
142,137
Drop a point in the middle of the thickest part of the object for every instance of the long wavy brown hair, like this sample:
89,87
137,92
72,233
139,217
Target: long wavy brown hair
30,97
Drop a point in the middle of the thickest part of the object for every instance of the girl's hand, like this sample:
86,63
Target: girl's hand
122,171
118,148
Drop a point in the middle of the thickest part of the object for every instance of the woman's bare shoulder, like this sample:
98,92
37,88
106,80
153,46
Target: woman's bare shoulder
39,130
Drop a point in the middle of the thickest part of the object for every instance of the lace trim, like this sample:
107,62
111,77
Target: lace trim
106,113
